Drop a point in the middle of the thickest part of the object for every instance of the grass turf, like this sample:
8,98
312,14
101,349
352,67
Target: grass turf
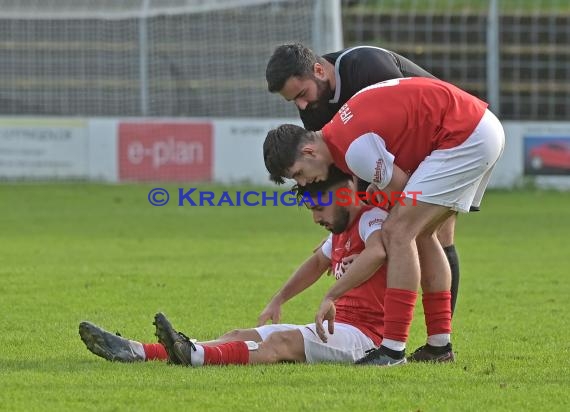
72,252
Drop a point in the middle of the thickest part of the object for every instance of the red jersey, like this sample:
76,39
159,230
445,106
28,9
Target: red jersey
408,118
363,306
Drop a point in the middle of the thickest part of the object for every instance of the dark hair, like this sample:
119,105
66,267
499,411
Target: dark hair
335,177
280,149
287,61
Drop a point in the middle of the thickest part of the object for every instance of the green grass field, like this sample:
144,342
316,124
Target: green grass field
92,252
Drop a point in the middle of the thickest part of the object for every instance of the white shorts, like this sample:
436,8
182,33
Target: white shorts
347,344
457,177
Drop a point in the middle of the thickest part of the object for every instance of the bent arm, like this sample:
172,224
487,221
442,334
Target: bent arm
398,181
364,266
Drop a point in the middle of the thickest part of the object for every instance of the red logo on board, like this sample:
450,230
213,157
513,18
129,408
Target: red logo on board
159,151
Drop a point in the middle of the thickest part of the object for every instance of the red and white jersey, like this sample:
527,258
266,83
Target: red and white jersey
363,306
399,121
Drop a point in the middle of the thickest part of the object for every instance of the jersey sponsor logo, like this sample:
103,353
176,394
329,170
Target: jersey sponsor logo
340,269
345,114
378,170
376,222
342,266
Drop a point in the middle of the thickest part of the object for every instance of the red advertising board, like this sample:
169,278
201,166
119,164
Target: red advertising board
160,151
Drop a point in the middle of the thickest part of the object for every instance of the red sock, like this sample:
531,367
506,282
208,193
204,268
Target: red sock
437,311
154,351
230,353
398,313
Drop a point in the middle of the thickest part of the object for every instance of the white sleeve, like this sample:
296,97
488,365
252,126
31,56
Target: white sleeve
371,221
326,248
368,158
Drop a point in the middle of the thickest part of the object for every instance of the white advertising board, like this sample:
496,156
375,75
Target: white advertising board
43,148
531,159
238,149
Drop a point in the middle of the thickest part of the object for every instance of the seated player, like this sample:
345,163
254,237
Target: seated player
355,243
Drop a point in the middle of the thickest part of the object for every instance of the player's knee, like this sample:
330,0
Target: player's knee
285,346
427,238
446,231
271,350
279,339
445,236
394,234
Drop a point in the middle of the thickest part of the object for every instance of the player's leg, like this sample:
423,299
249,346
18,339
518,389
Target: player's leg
436,299
446,232
284,344
182,350
446,236
346,345
399,232
300,343
114,347
281,343
435,271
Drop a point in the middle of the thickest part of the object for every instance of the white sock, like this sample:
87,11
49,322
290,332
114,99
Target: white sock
440,339
197,358
137,349
394,344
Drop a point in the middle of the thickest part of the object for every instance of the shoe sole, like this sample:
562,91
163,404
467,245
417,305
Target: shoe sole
398,362
93,337
447,358
166,336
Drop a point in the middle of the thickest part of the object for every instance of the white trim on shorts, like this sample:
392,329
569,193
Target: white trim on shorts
457,177
346,345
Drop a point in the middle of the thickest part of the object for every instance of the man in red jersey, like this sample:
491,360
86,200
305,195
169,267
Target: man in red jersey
354,246
412,135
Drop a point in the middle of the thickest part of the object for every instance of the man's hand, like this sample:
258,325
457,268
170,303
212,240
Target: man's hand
272,311
327,311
